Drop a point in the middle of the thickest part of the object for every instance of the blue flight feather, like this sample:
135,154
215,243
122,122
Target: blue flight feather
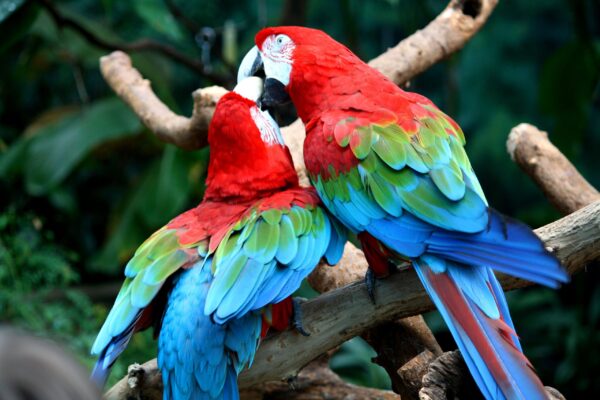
197,354
490,349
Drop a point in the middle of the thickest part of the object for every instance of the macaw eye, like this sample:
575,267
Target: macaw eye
281,39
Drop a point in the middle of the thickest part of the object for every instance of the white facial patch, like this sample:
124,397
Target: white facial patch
269,130
278,70
277,52
250,88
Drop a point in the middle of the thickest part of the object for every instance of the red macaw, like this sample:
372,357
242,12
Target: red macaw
217,276
392,168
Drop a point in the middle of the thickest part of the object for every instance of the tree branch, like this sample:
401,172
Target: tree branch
337,316
136,46
128,83
315,381
560,181
446,34
459,21
405,348
445,378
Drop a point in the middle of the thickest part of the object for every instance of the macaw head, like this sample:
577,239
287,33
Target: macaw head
285,53
247,152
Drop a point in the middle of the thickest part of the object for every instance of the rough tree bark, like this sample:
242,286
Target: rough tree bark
339,315
564,187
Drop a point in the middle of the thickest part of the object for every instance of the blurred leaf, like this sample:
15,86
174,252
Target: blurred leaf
230,49
157,15
567,82
7,7
13,159
56,148
15,21
353,363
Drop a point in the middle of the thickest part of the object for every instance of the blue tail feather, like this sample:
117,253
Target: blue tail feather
507,245
110,353
489,346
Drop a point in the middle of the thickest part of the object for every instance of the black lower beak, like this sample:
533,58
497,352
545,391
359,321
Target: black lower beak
274,94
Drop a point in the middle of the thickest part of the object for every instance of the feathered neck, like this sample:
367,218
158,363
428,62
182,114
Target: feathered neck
242,167
330,77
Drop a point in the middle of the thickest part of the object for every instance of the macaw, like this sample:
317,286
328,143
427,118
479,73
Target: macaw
393,169
216,277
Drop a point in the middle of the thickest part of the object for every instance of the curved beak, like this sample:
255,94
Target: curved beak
251,64
274,93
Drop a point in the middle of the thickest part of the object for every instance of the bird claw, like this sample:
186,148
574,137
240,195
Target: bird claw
370,282
297,316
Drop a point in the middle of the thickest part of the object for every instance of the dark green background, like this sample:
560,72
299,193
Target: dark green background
82,183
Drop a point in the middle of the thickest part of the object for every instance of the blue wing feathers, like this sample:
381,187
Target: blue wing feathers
507,245
230,390
212,322
198,354
335,249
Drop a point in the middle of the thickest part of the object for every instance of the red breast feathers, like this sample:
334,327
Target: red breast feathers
242,166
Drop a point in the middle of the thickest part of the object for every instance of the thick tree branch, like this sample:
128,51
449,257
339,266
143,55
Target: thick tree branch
445,379
315,381
405,348
459,21
446,34
560,181
337,316
128,83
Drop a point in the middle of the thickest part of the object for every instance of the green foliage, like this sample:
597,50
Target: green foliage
156,15
353,362
82,183
35,278
54,147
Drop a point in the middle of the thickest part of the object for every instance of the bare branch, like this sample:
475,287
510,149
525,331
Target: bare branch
450,31
445,379
128,83
315,381
560,181
446,34
405,348
337,316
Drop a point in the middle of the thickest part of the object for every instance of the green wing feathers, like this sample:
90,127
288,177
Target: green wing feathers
419,166
153,263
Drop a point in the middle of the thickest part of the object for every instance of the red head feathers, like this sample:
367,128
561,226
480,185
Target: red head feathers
317,71
248,158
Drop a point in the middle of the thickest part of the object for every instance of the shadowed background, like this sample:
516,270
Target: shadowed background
82,183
